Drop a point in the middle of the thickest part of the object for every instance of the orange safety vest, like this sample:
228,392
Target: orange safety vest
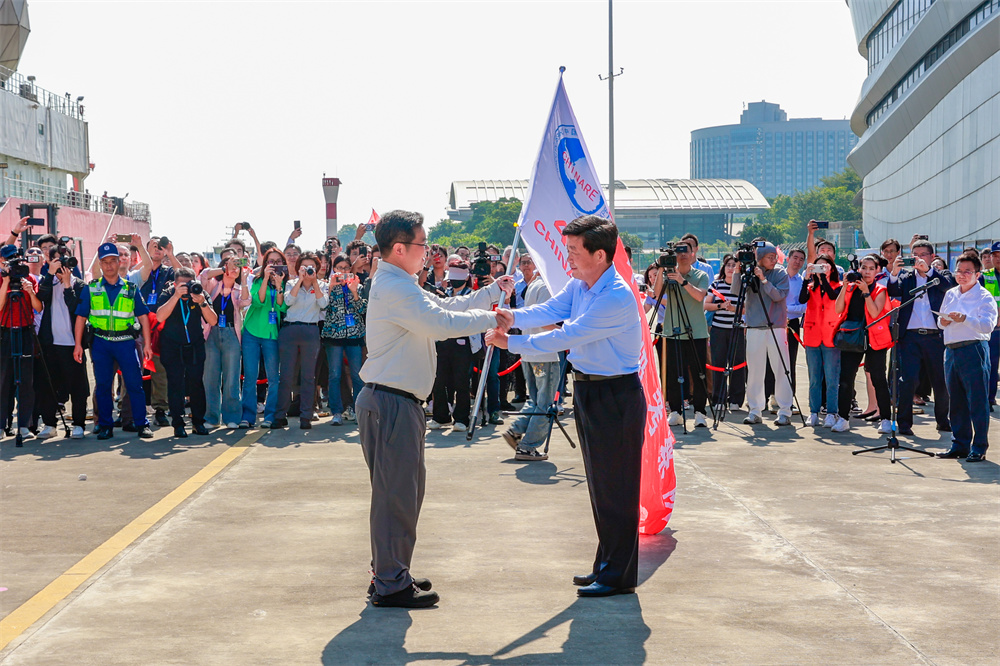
879,335
821,319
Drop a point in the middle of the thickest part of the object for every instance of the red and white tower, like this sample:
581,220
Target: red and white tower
331,188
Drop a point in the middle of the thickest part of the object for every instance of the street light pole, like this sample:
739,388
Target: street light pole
611,106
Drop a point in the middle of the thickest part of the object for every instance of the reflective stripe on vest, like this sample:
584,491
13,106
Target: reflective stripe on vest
104,316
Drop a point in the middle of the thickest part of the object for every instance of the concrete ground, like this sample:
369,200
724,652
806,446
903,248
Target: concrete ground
783,549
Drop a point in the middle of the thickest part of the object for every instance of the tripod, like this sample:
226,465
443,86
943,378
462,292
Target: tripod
892,442
552,413
677,314
723,411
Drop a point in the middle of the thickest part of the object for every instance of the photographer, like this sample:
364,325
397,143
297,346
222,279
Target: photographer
692,352
357,256
920,339
820,288
435,268
223,350
154,277
298,341
864,301
343,336
260,337
114,308
182,348
60,293
454,361
766,316
18,304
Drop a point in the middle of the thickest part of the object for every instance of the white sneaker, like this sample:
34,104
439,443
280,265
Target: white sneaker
459,428
885,428
699,420
733,406
25,433
260,408
78,432
675,419
46,432
830,421
842,425
265,425
337,420
813,420
349,414
774,406
752,419
431,425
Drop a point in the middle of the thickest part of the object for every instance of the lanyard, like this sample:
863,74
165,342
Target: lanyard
273,294
223,305
185,316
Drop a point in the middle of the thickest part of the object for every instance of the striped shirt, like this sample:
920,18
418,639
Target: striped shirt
723,318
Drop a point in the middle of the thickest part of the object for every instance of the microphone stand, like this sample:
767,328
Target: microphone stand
892,442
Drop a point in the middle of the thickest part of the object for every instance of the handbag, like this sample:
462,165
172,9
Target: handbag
852,336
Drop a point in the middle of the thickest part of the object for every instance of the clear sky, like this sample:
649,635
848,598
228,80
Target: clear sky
217,112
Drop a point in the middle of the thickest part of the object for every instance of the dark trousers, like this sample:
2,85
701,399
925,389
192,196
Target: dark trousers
105,355
184,380
69,379
23,341
610,419
451,383
875,366
793,355
693,358
967,371
298,347
915,349
722,341
994,365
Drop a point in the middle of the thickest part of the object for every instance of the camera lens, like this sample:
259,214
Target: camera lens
195,288
310,270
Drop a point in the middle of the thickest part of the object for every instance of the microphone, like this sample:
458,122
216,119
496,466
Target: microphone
930,283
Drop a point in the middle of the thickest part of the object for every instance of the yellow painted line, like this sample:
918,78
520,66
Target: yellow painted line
37,606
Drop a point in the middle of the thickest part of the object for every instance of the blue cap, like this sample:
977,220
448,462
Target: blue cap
8,251
995,247
107,250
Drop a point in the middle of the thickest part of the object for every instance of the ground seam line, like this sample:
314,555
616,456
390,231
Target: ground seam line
805,558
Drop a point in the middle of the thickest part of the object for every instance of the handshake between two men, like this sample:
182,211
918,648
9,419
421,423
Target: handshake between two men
497,337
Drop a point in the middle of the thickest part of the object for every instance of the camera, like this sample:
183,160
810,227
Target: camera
822,224
921,237
667,258
17,269
481,261
195,288
280,269
64,255
163,242
854,274
909,262
310,270
245,226
242,262
747,254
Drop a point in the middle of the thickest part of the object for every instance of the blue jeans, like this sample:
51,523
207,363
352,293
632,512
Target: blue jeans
824,366
253,349
967,371
994,364
541,379
335,361
222,376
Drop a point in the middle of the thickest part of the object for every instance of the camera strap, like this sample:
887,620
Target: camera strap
185,316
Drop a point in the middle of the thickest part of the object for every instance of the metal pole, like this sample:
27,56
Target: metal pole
484,371
611,109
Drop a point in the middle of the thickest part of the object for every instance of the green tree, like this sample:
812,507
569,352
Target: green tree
444,229
848,179
631,240
494,220
766,230
346,234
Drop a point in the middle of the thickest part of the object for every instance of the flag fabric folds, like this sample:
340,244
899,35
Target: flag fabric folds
564,186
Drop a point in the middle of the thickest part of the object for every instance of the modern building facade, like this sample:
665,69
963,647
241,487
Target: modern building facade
929,119
656,210
777,154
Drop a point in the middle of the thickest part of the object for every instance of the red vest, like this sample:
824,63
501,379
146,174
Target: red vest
821,320
879,335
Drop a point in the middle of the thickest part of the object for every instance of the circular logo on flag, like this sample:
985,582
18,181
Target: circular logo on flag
581,187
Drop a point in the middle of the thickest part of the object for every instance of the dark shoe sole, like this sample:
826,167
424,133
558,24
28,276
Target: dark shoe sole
423,583
976,457
610,593
406,599
951,454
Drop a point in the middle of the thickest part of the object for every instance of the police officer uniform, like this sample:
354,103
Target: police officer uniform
113,309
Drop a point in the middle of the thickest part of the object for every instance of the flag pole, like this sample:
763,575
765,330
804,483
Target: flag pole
611,109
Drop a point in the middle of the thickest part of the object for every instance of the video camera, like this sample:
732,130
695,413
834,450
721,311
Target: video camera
17,266
746,254
668,255
855,273
481,261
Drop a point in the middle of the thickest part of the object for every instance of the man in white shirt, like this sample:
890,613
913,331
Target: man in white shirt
403,323
967,316
541,373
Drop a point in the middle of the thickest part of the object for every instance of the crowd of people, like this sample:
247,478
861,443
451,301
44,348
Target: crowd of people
275,332
748,324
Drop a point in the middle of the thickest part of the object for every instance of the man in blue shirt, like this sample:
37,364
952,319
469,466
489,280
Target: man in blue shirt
110,345
603,331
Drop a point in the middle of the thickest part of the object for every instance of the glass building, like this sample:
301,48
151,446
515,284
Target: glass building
777,154
928,117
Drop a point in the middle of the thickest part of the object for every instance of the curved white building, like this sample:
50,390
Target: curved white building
929,119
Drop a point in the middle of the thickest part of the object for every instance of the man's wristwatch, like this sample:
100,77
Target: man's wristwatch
685,283
203,304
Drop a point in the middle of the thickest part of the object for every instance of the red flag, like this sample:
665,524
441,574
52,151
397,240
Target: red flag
373,220
781,255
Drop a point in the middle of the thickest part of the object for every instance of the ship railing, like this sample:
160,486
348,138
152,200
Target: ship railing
22,189
16,83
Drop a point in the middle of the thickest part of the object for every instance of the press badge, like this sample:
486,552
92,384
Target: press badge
349,319
272,317
222,321
152,298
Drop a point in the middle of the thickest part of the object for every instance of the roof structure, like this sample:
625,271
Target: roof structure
662,193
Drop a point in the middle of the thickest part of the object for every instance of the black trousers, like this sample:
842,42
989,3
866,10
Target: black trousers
722,340
69,379
914,349
23,339
694,354
610,419
793,354
875,361
452,381
184,380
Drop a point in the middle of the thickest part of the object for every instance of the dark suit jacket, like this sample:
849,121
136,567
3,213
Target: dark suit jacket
907,282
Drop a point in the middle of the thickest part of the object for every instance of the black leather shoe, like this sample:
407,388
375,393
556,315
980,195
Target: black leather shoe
179,431
976,457
903,430
105,432
411,597
129,427
951,454
161,418
200,430
305,424
278,424
146,433
584,580
118,422
601,590
943,428
423,583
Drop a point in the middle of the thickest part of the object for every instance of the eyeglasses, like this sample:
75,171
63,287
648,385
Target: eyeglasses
966,273
426,246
